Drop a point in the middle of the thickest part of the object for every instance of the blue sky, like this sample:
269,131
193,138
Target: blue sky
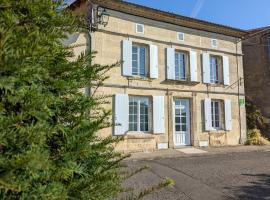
245,14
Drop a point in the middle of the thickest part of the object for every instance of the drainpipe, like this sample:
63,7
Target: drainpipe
89,33
238,88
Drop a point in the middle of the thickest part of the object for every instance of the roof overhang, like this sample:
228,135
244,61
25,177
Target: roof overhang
162,16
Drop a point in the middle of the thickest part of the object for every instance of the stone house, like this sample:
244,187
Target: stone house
256,49
179,84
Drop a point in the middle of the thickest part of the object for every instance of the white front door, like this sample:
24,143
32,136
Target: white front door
181,122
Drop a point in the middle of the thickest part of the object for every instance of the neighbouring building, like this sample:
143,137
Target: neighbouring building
256,49
181,80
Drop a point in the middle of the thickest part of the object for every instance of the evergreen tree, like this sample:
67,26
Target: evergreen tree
49,148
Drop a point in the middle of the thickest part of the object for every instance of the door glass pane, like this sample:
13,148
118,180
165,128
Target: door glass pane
177,112
184,127
177,119
177,128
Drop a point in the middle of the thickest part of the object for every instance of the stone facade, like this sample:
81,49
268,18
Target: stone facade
257,70
107,41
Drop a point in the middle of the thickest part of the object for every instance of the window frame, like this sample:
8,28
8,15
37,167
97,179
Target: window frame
178,36
220,114
186,66
219,70
136,27
138,99
146,60
214,43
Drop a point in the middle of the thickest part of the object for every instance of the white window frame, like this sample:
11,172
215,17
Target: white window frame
219,67
214,43
150,113
136,27
186,66
220,113
182,35
146,70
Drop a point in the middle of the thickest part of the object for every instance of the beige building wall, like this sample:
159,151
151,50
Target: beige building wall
107,43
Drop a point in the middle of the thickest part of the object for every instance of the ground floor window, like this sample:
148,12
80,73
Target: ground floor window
139,113
217,114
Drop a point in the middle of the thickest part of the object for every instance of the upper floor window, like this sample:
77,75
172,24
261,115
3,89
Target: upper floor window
140,28
181,37
217,114
215,69
181,65
214,43
139,113
139,60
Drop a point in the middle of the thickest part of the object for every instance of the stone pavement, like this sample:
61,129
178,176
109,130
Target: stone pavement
191,151
241,172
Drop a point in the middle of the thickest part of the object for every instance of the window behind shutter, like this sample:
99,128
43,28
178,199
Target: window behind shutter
170,63
158,115
206,68
207,114
228,114
127,58
226,70
121,114
153,61
193,66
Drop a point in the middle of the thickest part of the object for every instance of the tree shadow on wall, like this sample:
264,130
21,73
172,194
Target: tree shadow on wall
257,189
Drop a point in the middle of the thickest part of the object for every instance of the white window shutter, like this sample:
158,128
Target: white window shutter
127,58
158,115
206,67
207,114
228,114
153,61
121,106
170,63
226,70
193,66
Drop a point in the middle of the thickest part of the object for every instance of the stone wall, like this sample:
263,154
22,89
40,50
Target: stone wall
257,73
107,43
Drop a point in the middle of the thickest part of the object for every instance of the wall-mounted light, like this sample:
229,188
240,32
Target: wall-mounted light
99,17
102,16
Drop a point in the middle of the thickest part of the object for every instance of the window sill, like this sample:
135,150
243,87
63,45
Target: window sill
216,84
139,78
182,82
139,135
215,131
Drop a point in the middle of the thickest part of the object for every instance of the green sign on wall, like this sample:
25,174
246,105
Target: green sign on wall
242,102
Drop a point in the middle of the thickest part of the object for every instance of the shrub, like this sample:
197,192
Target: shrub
255,138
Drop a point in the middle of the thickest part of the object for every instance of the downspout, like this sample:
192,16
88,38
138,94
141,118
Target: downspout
89,33
239,79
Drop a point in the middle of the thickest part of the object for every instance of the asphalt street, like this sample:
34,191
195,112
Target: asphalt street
242,175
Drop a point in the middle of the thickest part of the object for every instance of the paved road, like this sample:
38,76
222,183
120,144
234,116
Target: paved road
207,177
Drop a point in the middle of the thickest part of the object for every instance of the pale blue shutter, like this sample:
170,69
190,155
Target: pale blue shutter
158,115
226,70
207,114
121,107
228,114
127,58
193,66
153,61
170,63
206,67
